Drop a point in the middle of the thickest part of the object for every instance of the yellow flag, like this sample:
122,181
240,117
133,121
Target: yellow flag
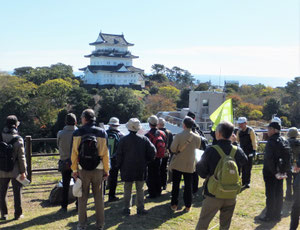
223,113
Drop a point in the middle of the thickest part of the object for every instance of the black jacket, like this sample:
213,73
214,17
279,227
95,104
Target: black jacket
274,150
210,158
133,153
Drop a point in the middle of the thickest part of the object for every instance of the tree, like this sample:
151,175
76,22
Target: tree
157,102
121,103
271,107
170,92
158,78
203,86
183,101
40,75
158,69
255,115
79,99
56,91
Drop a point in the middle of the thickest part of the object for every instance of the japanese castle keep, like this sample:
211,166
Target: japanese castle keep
111,63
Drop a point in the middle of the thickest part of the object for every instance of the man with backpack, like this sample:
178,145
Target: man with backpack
90,162
276,165
133,154
158,139
165,159
246,137
113,138
12,165
295,149
64,143
219,166
183,163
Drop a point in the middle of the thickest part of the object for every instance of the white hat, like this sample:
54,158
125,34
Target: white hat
161,121
114,121
153,120
276,119
133,125
242,120
77,188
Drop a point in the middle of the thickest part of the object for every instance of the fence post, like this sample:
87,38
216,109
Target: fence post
28,150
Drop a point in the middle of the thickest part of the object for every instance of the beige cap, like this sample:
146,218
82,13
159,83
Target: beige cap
153,120
133,125
293,132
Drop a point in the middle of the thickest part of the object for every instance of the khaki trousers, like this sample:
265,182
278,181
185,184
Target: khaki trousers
139,185
95,178
210,206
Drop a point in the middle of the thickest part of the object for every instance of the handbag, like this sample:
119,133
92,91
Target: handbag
64,165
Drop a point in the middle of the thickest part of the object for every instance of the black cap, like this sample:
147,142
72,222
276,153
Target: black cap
191,114
275,125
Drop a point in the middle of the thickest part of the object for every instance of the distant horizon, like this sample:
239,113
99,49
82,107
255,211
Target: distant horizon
220,79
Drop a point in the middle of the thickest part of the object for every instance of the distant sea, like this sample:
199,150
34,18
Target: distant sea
244,80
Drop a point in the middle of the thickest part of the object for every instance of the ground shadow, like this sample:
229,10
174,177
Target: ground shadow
156,217
41,220
271,224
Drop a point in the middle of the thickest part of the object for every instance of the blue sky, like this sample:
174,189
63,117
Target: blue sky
248,38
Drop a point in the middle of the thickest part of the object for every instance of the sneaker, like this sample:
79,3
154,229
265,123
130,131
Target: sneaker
4,217
142,212
19,217
173,207
246,186
113,198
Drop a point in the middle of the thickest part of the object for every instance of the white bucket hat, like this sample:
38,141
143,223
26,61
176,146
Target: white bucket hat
114,121
133,125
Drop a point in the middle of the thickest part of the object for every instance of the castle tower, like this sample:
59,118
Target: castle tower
111,63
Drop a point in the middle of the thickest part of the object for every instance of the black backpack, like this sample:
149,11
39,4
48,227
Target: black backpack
284,161
88,156
6,154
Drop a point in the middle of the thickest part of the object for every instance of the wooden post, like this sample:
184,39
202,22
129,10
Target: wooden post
28,149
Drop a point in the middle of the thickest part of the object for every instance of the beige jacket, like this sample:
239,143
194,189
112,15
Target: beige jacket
19,156
185,160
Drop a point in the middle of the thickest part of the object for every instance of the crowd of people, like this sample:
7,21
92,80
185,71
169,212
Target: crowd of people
96,156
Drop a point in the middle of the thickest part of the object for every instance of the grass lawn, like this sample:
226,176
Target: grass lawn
39,214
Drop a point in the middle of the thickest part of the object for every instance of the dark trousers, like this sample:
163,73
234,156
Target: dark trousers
113,178
66,178
153,180
187,194
274,196
295,214
195,182
246,171
164,171
17,189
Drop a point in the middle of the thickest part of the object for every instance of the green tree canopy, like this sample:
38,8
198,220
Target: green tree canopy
121,103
